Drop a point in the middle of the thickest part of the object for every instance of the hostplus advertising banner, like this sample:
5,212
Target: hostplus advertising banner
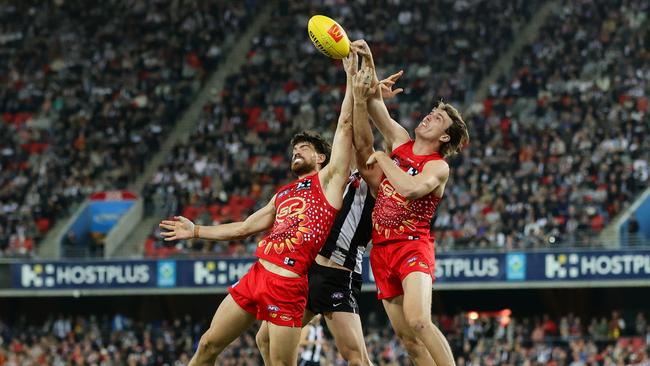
498,268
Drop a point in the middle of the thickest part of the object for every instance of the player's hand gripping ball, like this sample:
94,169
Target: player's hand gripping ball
328,36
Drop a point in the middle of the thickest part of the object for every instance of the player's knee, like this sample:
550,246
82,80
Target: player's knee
209,345
281,361
418,324
353,357
262,341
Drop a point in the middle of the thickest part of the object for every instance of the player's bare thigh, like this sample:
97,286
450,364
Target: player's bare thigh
228,323
348,336
283,345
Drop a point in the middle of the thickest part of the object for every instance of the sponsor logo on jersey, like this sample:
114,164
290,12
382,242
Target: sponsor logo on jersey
289,262
272,308
412,171
286,317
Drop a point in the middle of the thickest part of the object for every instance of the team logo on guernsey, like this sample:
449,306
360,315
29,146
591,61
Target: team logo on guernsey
305,184
291,226
291,207
390,217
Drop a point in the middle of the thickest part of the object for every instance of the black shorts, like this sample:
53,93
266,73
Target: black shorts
333,290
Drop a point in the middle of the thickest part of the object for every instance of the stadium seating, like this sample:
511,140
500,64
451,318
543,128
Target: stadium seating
87,93
559,147
285,86
561,144
486,340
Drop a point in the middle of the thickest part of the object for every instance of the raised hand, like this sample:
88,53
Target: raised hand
351,63
386,85
362,48
362,84
179,228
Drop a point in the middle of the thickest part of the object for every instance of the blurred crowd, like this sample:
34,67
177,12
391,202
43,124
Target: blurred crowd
88,91
239,153
562,142
558,147
491,338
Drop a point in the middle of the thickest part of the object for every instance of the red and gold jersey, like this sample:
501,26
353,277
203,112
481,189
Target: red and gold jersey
396,219
303,219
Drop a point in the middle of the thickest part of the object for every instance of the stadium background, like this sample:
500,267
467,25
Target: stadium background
118,114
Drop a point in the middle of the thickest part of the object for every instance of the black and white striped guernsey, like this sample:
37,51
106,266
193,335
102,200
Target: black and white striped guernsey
311,352
352,227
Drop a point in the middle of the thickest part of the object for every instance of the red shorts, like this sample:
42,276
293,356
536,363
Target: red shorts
392,263
269,296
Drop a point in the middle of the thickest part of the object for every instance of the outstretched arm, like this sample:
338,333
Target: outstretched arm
393,132
434,174
336,173
362,138
182,228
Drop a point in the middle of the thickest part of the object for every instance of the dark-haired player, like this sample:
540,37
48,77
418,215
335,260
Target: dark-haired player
299,216
335,277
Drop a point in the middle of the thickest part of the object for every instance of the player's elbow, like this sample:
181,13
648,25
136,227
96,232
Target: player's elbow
345,122
411,194
241,232
414,191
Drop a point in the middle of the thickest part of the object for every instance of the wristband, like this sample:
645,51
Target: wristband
196,231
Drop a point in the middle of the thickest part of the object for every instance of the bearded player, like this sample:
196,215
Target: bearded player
335,277
300,216
413,179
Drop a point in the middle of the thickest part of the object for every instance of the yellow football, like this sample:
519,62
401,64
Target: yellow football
328,36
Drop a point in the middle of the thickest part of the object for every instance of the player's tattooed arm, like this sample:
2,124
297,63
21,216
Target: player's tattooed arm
183,228
434,174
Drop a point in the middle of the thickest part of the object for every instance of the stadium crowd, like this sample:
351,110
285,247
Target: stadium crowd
87,93
559,146
239,153
477,339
